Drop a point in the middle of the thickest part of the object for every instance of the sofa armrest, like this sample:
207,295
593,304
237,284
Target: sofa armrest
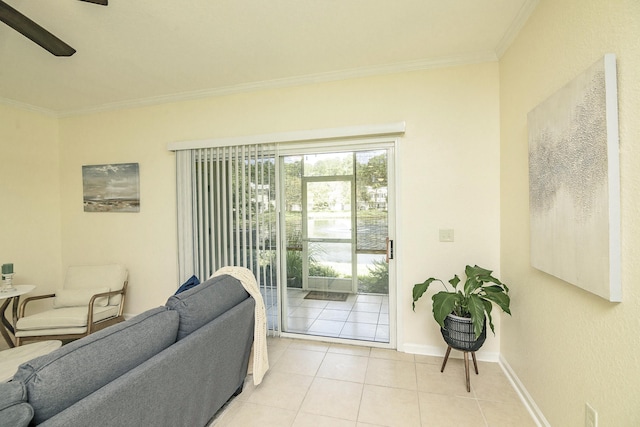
15,411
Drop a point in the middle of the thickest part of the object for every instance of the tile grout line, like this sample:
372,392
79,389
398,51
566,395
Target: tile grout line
315,375
362,390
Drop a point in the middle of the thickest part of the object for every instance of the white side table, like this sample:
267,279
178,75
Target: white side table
8,327
11,359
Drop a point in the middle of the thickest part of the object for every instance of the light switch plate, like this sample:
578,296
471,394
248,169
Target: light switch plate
446,235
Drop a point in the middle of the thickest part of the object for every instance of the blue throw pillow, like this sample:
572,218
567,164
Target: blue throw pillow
193,281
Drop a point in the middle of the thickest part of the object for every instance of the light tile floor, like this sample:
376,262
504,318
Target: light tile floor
361,317
334,385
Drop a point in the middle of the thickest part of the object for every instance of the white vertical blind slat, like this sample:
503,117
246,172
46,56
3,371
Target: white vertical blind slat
253,195
201,203
240,224
206,215
187,249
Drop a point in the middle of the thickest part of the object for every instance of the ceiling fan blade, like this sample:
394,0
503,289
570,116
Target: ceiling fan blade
33,31
101,2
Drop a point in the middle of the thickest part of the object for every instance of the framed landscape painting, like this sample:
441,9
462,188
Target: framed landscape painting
111,187
574,182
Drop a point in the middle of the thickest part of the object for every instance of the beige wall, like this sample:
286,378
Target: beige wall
30,196
447,169
567,346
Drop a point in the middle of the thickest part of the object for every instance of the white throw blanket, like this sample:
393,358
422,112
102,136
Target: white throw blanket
260,356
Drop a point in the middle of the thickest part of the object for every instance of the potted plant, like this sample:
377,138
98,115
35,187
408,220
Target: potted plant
470,304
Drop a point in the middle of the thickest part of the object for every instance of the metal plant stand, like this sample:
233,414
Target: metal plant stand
458,334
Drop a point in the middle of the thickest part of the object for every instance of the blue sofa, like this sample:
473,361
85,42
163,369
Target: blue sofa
174,365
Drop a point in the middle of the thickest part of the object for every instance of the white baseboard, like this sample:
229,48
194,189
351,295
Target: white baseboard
526,398
438,351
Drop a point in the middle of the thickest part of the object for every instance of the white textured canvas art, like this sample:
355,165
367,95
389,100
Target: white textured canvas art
574,182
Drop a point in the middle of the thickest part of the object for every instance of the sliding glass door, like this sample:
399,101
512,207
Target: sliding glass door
336,230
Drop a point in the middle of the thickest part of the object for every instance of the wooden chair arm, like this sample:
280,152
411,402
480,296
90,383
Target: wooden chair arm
105,294
100,295
24,302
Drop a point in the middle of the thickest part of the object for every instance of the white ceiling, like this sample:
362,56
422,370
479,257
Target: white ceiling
136,52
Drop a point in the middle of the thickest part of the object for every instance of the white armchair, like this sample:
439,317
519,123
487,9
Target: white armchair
91,299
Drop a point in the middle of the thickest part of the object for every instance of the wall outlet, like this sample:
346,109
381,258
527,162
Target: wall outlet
446,235
590,417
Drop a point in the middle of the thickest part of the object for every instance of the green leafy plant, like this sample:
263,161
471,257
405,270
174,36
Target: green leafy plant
294,268
473,300
377,279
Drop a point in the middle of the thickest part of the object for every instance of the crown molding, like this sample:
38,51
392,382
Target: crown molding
28,107
516,26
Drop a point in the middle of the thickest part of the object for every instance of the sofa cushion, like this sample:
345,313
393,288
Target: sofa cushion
79,297
203,303
14,409
59,379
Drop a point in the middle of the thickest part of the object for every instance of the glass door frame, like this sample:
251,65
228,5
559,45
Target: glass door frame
390,144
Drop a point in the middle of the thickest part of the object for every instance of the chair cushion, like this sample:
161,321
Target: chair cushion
14,409
66,317
112,276
203,303
12,358
59,379
79,297
51,332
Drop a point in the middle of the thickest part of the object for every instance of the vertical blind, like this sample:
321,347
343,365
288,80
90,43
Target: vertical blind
227,213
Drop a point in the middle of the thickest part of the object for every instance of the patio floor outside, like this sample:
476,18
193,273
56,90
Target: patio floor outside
361,317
